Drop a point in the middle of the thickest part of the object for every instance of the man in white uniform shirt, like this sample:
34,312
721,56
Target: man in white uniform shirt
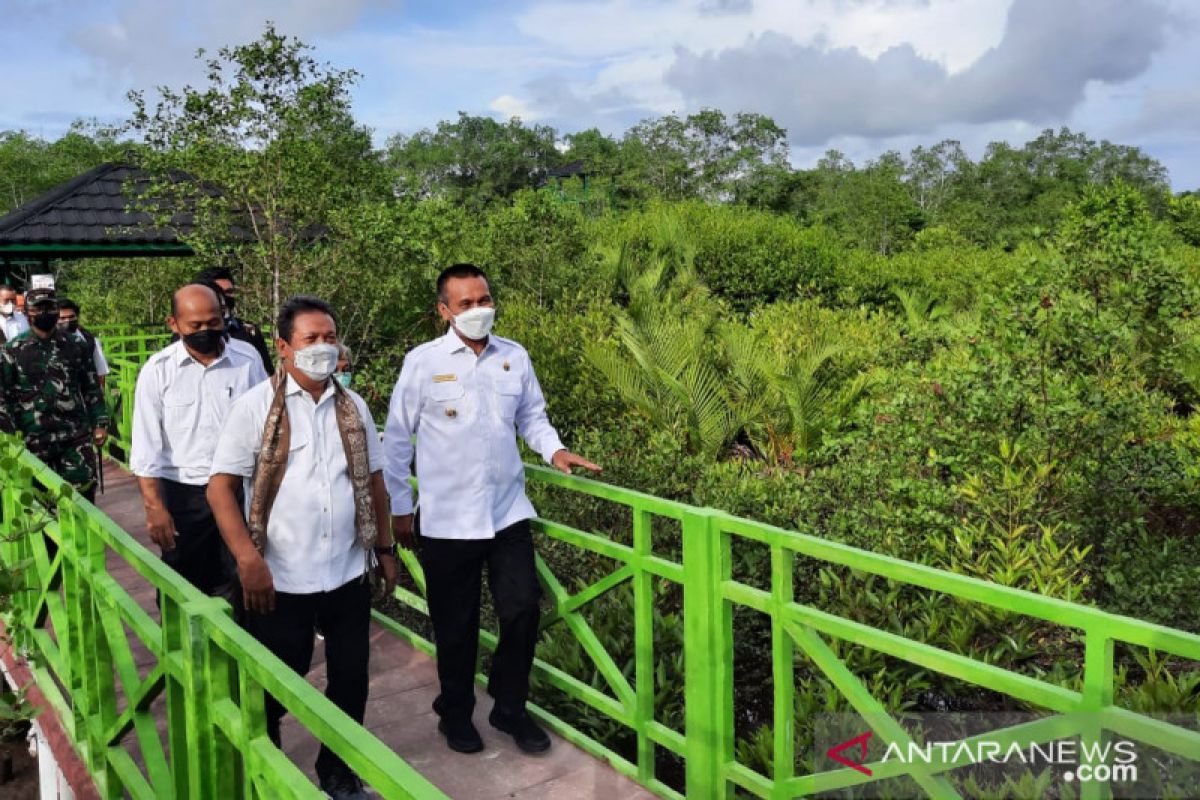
12,322
316,519
183,394
464,396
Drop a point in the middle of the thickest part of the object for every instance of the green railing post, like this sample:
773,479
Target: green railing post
174,655
1097,695
72,642
201,730
643,636
782,671
14,546
128,389
254,729
219,692
708,655
89,548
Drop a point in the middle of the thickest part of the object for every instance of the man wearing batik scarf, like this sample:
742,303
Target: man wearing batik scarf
317,524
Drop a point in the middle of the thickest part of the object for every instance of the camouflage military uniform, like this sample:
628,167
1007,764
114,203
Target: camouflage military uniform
49,393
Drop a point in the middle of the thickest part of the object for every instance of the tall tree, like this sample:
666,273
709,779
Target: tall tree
30,165
273,150
871,206
472,161
933,173
703,155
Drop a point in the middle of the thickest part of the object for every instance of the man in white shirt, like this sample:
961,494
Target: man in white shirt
317,516
68,321
12,322
464,396
183,393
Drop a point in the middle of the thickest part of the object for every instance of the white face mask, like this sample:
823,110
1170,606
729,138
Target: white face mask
317,361
476,323
7,309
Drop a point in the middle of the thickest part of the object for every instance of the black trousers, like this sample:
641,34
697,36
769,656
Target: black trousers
453,570
344,615
200,554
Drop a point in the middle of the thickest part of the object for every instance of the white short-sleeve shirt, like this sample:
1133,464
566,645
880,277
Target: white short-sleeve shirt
178,409
311,544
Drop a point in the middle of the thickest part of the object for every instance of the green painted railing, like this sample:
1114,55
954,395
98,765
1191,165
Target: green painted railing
134,346
90,643
702,574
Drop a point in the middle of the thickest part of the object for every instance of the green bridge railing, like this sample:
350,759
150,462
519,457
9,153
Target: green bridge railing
85,635
214,674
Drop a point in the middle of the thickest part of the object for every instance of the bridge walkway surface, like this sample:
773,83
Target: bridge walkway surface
402,687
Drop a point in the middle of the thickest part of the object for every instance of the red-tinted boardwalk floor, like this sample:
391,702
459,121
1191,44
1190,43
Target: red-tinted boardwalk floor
403,685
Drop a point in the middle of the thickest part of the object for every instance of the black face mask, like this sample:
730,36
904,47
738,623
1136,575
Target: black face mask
69,326
205,342
45,321
230,302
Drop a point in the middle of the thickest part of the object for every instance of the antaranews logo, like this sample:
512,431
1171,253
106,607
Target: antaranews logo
1110,762
860,742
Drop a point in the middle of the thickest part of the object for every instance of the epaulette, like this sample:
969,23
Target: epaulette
421,348
510,342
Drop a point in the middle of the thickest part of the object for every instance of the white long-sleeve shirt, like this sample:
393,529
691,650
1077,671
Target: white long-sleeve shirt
178,409
311,544
465,411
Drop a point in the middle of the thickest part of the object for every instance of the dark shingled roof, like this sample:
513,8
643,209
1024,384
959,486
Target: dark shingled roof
91,215
569,170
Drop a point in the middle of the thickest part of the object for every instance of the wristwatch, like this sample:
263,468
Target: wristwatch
388,550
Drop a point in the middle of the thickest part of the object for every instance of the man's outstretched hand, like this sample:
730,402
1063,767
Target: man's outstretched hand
564,460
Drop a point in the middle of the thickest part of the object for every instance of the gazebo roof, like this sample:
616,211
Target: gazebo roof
90,216
569,170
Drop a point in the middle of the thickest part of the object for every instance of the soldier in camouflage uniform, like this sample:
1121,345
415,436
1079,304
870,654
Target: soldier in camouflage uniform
49,393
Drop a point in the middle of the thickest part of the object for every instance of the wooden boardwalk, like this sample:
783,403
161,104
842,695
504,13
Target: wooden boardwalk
403,685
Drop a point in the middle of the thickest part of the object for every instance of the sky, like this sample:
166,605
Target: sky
861,76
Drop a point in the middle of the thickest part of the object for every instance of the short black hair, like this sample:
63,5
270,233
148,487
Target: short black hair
68,304
214,274
294,306
461,270
212,287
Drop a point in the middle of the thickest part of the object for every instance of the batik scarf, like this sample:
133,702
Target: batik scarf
273,458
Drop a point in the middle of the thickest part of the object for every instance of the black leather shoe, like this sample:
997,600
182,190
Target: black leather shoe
461,736
525,732
344,786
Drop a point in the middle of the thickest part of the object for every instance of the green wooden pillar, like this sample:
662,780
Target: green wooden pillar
74,641
220,691
174,657
1097,695
196,680
708,655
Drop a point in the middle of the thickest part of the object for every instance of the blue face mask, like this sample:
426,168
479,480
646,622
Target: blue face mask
343,378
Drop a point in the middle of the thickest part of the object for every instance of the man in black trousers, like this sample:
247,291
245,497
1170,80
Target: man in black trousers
464,396
183,393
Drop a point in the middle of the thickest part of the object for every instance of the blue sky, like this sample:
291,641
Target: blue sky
863,76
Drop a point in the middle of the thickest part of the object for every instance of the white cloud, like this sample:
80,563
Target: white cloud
142,43
876,73
509,106
634,43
